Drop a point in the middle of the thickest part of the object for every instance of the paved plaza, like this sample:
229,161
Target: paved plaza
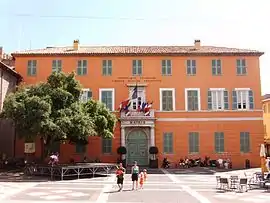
170,186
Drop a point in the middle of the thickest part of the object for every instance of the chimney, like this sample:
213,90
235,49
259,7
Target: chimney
76,44
197,44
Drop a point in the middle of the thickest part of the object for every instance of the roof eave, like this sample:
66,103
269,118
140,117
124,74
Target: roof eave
142,54
12,72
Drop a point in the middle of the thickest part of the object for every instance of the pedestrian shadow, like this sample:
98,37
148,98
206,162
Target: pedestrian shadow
117,191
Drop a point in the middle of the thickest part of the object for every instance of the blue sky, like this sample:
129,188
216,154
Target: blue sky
233,23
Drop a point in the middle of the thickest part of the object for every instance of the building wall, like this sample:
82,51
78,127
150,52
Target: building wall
204,121
7,85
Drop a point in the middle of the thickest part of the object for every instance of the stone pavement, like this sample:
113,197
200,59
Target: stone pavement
170,187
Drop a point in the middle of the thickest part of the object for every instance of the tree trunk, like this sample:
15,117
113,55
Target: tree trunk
45,148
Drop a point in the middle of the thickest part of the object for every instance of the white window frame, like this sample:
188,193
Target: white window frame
83,91
186,97
160,97
113,95
247,98
222,98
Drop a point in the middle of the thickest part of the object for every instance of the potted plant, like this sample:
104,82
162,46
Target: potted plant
122,152
153,151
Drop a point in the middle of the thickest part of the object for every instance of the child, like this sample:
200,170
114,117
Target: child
141,178
145,174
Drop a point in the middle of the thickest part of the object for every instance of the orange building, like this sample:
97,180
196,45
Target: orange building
266,121
206,99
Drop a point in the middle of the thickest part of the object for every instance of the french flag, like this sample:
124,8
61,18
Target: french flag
124,105
147,109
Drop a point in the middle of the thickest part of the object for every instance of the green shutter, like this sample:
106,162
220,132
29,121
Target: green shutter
226,100
109,67
193,142
234,100
104,67
169,67
244,142
168,143
139,66
251,99
106,145
209,101
163,67
188,64
214,70
54,66
79,67
164,100
193,68
219,142
219,67
134,67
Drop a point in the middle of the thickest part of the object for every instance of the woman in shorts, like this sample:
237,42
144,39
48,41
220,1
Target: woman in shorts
135,175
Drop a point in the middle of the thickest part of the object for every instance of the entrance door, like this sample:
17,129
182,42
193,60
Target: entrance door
137,148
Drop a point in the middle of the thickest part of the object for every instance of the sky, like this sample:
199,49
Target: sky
31,24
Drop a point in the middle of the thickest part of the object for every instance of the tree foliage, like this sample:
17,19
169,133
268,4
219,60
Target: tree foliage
53,111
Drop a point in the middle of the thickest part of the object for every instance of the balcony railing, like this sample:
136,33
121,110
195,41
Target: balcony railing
135,113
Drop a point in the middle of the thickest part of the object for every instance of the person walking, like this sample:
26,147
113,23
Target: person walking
120,172
135,175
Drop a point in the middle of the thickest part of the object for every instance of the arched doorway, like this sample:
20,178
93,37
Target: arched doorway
137,148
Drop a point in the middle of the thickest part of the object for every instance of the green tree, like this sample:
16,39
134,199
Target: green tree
53,112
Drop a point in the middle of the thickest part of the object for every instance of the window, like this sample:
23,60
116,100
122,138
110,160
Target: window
242,99
192,99
241,67
218,99
82,67
219,142
86,95
106,96
32,68
216,67
136,103
106,146
193,142
80,148
168,143
191,67
107,67
166,67
137,67
167,99
56,66
244,142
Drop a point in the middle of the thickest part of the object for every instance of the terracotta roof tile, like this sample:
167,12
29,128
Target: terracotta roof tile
139,50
